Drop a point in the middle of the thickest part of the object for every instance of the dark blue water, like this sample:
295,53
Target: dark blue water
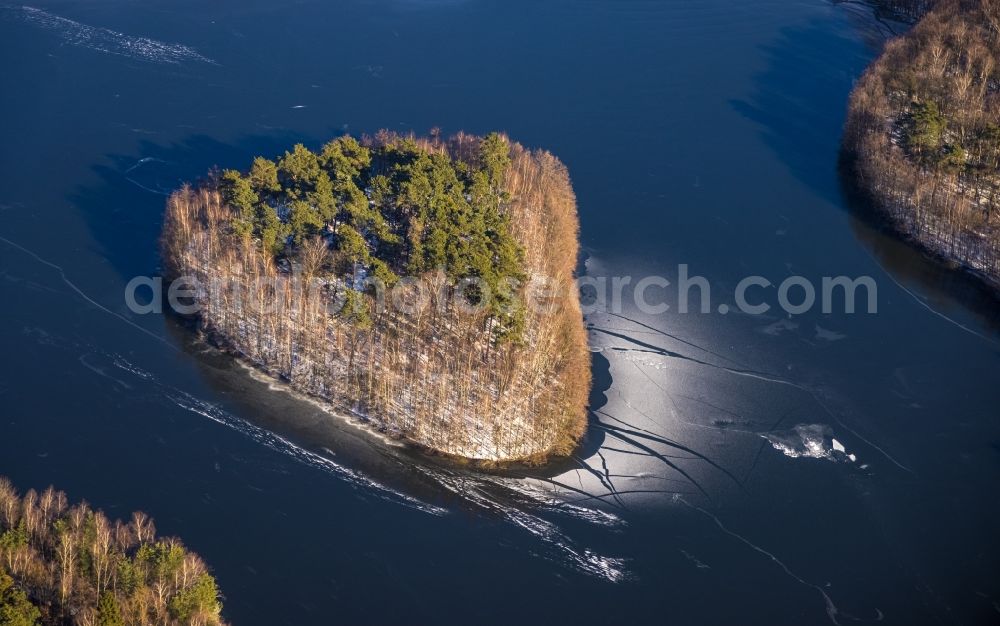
703,133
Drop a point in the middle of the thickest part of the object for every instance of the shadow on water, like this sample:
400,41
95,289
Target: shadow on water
124,209
791,101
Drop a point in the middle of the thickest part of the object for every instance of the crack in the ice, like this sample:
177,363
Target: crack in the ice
831,608
766,378
82,294
924,304
602,496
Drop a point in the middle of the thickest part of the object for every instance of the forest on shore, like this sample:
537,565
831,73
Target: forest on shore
69,565
923,132
462,229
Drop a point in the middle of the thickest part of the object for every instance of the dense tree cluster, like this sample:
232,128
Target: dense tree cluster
923,132
288,241
63,565
390,206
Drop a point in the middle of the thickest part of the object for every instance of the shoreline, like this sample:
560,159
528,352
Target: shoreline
371,428
873,210
912,165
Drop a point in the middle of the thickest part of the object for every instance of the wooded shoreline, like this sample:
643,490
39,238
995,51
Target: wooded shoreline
922,136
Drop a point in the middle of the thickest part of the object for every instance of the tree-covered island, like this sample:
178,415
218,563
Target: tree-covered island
390,277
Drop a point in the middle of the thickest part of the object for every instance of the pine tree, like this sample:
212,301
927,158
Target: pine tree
200,598
926,128
264,176
298,171
239,193
108,611
304,221
15,608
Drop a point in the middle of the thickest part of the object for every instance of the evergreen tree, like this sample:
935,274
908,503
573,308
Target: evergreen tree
128,577
352,244
15,608
200,598
304,221
264,176
345,159
322,198
356,310
494,159
71,542
298,171
239,193
401,206
926,128
269,228
953,159
108,611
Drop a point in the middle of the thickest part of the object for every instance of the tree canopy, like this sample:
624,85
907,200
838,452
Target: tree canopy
63,565
387,208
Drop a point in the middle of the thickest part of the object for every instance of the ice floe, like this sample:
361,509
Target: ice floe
811,441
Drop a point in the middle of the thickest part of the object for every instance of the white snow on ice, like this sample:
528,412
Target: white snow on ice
110,41
811,441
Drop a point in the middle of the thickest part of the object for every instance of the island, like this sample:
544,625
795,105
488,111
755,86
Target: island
63,564
922,136
421,285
